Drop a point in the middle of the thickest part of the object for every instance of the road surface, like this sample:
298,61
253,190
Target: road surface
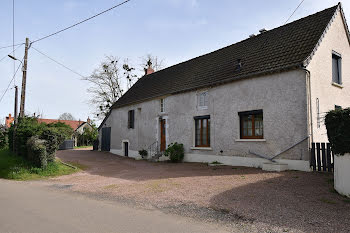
29,207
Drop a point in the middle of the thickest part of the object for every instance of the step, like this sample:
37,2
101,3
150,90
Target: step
275,167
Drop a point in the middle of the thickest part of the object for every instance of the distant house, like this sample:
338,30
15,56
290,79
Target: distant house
260,99
77,126
8,121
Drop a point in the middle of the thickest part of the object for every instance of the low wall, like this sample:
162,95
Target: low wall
342,174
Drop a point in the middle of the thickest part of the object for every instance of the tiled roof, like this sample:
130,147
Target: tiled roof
73,124
282,48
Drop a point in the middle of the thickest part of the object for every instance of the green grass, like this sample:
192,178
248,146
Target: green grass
17,168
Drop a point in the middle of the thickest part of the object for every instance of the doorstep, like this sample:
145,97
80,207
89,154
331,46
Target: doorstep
275,167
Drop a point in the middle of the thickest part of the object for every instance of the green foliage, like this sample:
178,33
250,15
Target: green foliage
18,168
176,152
33,138
3,137
143,153
88,137
338,130
37,151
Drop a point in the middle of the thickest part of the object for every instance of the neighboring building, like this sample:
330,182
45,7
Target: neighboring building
77,126
265,96
9,120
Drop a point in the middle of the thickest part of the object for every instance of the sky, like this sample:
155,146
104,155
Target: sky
173,30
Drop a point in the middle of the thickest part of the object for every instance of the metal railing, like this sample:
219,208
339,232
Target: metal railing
153,149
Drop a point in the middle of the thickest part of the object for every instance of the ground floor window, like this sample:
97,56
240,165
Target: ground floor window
251,123
202,131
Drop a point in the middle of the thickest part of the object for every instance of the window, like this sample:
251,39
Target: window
251,124
131,119
202,131
336,68
203,100
162,105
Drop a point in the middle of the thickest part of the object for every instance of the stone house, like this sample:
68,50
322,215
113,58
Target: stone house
261,99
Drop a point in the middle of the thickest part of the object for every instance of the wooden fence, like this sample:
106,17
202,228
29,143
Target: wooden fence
322,157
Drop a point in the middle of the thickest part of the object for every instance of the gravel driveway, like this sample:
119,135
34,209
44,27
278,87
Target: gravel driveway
257,201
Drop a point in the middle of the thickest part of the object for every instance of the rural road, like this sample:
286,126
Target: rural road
28,207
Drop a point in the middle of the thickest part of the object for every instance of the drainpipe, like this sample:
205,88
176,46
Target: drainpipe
308,80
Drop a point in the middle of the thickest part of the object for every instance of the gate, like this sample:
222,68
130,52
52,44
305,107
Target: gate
106,139
67,145
322,157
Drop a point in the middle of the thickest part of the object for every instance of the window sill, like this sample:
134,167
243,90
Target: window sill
337,85
201,148
250,140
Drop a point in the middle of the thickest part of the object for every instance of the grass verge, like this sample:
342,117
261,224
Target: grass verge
14,167
82,147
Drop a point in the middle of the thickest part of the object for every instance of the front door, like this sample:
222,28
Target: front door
106,139
162,135
126,149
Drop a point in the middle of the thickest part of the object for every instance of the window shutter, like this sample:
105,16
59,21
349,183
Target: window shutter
132,118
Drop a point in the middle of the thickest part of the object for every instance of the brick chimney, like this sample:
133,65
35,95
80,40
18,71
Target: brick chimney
149,69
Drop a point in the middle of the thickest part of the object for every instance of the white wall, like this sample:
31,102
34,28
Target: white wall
320,67
282,97
342,174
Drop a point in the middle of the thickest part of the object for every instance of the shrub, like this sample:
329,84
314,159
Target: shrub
3,137
338,130
175,152
143,153
37,151
53,138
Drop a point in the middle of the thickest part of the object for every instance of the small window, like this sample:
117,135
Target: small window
336,68
162,105
202,131
337,107
251,125
203,100
131,119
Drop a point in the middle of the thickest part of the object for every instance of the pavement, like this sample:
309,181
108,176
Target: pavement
29,207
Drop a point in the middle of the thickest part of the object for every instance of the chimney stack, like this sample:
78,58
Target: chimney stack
88,120
262,30
149,69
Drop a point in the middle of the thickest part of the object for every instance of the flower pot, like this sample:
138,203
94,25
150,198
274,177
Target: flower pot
342,174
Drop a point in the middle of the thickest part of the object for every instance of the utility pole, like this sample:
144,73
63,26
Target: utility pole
24,79
15,120
16,103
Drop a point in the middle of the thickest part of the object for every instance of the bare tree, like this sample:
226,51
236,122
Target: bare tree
66,116
157,63
108,84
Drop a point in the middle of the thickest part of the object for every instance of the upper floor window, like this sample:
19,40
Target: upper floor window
252,126
203,98
131,119
336,68
162,105
202,131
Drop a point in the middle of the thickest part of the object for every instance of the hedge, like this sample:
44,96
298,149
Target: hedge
37,152
338,130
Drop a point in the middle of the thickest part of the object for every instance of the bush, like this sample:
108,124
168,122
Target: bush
338,130
143,153
53,138
3,137
37,151
175,152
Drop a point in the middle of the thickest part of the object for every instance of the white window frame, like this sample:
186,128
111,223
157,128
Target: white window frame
203,100
162,105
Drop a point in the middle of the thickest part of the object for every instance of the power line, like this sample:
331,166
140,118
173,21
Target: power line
294,11
8,86
52,34
9,46
12,51
75,72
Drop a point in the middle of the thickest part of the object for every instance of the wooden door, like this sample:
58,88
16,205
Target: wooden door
162,135
106,139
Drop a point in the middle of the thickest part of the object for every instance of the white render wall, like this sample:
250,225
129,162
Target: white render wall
282,97
342,174
320,67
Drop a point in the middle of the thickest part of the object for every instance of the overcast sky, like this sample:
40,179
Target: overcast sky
174,30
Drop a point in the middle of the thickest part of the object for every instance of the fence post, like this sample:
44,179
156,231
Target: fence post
324,159
329,159
313,158
318,156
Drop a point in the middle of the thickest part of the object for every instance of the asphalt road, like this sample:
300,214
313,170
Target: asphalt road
27,207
